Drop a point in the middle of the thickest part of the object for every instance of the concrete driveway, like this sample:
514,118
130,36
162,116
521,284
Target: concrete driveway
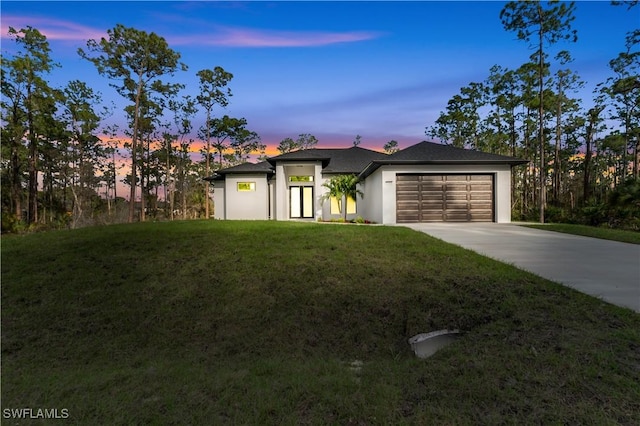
605,269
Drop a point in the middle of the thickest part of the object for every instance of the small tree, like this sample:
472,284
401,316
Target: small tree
391,147
342,187
304,141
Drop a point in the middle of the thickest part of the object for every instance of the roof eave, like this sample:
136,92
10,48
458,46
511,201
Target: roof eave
374,165
274,160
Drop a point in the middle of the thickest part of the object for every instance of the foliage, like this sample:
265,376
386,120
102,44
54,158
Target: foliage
541,26
342,187
212,83
391,147
304,141
624,205
621,209
137,59
531,112
28,108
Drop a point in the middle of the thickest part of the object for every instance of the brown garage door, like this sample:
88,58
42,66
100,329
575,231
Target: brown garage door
448,198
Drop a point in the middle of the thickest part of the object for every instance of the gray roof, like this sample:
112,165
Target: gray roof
363,161
244,168
339,161
435,153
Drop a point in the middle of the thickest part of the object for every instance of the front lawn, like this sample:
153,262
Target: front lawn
210,322
623,236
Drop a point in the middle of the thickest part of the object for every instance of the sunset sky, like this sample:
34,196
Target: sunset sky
383,70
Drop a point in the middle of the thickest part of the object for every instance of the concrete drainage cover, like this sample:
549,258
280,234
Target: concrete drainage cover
426,344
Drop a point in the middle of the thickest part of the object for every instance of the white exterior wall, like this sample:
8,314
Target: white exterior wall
385,178
324,206
246,205
318,190
218,199
370,205
280,194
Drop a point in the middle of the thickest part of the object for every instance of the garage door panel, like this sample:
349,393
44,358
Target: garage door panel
408,205
407,196
481,196
456,216
481,187
428,178
432,186
437,198
482,217
415,191
408,218
435,218
457,196
409,178
486,178
456,186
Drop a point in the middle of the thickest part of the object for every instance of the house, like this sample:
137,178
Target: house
425,182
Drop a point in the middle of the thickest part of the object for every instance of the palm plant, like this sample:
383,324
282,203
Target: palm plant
342,187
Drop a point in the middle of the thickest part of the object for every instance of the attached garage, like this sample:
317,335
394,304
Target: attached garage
444,198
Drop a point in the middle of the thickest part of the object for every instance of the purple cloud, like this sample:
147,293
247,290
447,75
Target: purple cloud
53,29
246,37
223,36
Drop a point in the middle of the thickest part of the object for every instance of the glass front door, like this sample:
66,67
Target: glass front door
301,202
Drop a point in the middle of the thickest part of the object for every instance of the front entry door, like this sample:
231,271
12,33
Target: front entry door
301,202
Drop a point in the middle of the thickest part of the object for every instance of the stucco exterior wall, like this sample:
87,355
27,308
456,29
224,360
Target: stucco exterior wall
370,205
218,199
246,205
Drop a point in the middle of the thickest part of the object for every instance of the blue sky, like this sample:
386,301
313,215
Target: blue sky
383,70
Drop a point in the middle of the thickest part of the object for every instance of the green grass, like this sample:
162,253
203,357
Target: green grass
258,323
623,236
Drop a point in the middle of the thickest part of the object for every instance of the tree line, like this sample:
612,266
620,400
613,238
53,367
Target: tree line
60,163
584,163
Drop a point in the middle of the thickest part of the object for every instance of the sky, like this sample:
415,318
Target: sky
381,70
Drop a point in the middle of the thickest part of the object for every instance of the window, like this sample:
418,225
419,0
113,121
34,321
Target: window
300,178
351,206
246,186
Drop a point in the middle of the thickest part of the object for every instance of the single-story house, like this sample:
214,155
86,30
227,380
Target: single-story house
425,182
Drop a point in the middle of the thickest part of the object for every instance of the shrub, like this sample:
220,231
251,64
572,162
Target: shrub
593,214
11,223
624,205
554,214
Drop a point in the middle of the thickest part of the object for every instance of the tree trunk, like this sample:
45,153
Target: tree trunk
586,184
134,148
16,187
208,166
543,168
